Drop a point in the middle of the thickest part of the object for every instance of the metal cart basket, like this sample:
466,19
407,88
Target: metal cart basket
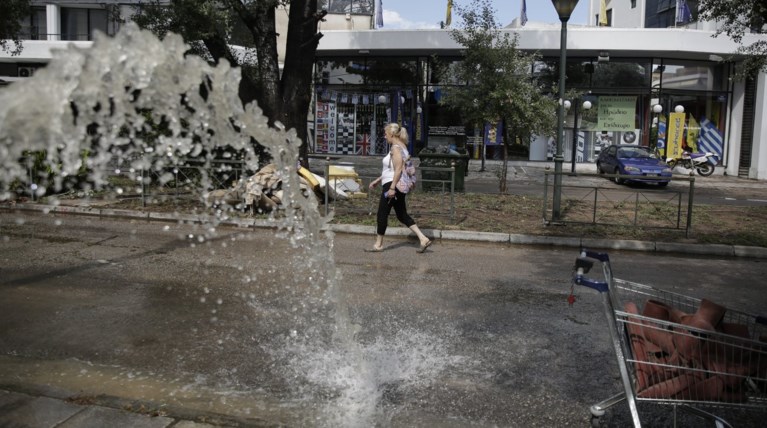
677,350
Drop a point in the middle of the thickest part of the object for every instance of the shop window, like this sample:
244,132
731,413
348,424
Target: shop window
370,71
621,74
355,7
391,71
691,75
351,121
705,120
34,27
341,72
80,24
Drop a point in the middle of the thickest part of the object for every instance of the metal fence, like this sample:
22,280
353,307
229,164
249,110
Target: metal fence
366,201
186,177
641,206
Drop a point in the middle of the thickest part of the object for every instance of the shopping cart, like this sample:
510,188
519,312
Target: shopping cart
692,354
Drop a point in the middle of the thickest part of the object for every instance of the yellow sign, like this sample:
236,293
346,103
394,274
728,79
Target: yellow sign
675,135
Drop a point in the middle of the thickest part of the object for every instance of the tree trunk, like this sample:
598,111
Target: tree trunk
296,85
502,185
283,97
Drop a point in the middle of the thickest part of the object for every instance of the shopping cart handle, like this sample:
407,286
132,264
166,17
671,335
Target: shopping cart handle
600,286
602,257
583,264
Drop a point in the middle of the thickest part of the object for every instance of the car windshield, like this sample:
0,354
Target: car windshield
635,153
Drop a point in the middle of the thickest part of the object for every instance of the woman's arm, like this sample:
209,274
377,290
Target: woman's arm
396,160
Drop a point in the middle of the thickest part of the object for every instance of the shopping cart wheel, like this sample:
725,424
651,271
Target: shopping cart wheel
595,421
597,411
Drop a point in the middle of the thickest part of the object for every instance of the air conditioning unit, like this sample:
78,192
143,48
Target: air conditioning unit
26,71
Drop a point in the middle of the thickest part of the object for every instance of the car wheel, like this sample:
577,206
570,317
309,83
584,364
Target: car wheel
663,184
618,180
599,168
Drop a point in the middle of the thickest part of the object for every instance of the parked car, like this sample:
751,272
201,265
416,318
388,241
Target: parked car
641,163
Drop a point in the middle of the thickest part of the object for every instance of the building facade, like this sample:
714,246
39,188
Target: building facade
639,72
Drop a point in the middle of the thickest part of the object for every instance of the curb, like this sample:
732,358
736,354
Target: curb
454,235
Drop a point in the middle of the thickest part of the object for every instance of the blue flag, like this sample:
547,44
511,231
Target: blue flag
523,14
710,139
683,13
661,143
379,14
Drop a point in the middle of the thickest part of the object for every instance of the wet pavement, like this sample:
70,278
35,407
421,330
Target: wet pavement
141,322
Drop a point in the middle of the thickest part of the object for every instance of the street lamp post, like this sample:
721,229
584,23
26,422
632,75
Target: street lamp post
564,10
657,109
585,106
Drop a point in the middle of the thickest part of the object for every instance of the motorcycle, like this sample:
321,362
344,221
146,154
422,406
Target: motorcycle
703,163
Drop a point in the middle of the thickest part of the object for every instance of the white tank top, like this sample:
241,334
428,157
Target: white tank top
388,169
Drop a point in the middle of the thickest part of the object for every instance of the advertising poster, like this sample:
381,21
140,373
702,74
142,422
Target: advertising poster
322,127
493,134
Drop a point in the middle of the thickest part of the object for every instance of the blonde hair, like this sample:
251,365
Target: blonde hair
397,131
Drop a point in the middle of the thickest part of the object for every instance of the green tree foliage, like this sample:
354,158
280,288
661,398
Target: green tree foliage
738,18
497,83
12,12
212,27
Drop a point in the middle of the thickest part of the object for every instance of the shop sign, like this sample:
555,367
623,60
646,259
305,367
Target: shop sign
616,113
447,130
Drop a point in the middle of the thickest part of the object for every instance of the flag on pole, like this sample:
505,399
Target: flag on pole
661,143
675,135
710,139
449,16
683,13
523,14
379,14
602,13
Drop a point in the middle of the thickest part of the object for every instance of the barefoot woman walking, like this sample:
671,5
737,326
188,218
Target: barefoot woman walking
393,165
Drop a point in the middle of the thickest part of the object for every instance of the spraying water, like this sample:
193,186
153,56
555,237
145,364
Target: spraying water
133,103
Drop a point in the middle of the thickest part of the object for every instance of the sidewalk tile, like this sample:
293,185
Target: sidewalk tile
40,412
100,417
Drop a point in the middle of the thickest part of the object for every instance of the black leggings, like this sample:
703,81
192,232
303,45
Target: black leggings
386,204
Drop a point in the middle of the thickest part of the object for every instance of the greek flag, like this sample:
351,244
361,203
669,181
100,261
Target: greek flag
683,13
523,14
710,139
379,14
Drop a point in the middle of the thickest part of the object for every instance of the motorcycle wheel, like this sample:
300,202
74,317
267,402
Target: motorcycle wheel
671,164
705,169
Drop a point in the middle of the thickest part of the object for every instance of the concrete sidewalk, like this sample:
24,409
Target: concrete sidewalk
19,410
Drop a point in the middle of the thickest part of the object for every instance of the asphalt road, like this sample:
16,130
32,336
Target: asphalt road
270,331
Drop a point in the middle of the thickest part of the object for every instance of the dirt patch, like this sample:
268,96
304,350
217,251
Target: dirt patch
524,215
